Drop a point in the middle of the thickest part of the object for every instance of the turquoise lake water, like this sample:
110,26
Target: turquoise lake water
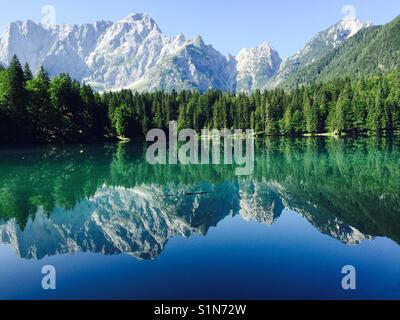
115,227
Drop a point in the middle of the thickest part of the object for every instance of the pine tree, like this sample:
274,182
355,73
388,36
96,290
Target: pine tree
122,120
343,119
375,114
16,99
145,122
310,114
272,125
298,122
62,97
287,123
360,106
218,116
40,112
182,118
28,76
158,116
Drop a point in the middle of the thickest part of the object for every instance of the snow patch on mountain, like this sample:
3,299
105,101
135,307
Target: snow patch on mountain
191,65
256,67
345,29
318,46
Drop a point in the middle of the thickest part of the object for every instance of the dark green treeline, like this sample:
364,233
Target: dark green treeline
40,109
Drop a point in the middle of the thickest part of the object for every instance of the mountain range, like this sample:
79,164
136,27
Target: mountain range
134,53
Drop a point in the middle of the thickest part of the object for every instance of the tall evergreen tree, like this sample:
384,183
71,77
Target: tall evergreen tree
310,114
41,114
16,99
28,76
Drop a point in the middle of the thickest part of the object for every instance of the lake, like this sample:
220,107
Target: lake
115,227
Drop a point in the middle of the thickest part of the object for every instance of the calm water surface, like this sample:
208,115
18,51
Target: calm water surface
115,227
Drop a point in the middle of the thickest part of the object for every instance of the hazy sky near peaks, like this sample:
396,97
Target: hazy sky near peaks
229,25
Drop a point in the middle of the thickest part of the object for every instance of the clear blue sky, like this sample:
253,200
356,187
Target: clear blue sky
227,24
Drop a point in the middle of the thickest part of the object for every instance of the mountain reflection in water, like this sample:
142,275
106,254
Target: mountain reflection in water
107,199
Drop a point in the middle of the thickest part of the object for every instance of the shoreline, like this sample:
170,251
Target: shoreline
117,140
